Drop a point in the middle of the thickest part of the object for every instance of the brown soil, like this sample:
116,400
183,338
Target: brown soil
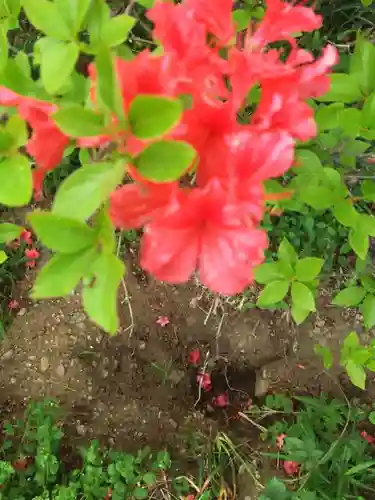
136,387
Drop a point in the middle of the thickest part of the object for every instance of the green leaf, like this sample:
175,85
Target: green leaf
165,161
17,129
327,117
149,478
100,298
4,25
359,242
308,268
62,273
350,121
362,64
368,112
356,374
302,296
351,296
274,490
16,183
265,273
368,283
286,252
325,354
9,232
299,314
116,30
140,493
368,188
344,88
73,12
371,417
57,62
345,213
367,309
153,116
146,3
273,293
366,224
61,234
45,16
105,230
307,160
241,18
76,121
92,183
107,86
360,468
3,258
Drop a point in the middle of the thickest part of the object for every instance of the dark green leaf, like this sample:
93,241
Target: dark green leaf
302,296
116,30
367,309
351,296
62,234
9,232
16,184
62,274
165,161
45,16
152,116
308,268
92,183
100,297
76,121
273,293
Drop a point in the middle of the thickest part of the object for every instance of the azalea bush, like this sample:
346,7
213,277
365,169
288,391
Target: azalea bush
223,124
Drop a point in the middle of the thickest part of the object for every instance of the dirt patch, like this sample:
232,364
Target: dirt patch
136,387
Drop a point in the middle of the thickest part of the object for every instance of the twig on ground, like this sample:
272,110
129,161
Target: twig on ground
201,379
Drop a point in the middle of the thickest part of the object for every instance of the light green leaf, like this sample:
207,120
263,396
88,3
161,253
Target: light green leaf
265,273
61,234
302,296
371,417
350,121
349,297
9,232
107,86
368,112
327,117
367,309
273,293
153,116
62,273
4,25
57,62
100,298
368,188
241,18
105,230
165,161
325,354
146,3
362,64
92,183
345,213
45,16
359,242
366,224
286,252
299,314
356,374
3,257
76,121
344,88
73,12
368,283
17,129
307,160
116,30
16,184
308,268
360,468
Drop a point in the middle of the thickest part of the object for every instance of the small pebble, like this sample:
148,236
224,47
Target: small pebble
60,370
44,364
7,355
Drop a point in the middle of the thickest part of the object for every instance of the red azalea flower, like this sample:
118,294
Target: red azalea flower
370,439
221,401
204,380
13,304
27,237
194,357
32,253
163,321
280,441
290,467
